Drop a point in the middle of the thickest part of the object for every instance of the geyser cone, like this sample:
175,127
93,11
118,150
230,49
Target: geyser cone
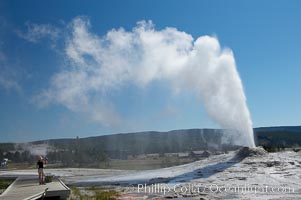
249,152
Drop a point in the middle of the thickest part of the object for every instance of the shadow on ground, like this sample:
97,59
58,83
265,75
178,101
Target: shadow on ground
207,171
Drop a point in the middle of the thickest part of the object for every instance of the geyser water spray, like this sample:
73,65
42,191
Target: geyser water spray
142,55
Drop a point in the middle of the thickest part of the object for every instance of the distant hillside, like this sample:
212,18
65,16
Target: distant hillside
180,140
280,137
279,128
148,142
121,146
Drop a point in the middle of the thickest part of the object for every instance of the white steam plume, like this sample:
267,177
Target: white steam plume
34,149
140,56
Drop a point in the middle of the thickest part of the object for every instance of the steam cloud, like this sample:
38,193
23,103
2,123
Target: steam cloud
140,56
38,149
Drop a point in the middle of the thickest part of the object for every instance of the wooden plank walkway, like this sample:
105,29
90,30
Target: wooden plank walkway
28,188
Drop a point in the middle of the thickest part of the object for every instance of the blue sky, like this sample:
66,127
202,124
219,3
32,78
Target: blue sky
265,37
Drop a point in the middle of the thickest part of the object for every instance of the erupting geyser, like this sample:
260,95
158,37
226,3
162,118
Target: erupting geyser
212,72
141,56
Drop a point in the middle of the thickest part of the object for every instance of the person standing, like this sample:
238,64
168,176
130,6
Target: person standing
40,166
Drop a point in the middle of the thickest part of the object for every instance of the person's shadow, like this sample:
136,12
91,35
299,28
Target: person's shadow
206,171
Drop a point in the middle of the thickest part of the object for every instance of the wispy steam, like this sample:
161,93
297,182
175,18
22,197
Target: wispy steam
103,63
36,32
34,149
8,75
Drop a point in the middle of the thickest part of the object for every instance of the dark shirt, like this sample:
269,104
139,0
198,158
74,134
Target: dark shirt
41,164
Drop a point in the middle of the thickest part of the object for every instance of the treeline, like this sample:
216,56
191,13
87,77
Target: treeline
78,156
95,151
148,142
278,140
18,156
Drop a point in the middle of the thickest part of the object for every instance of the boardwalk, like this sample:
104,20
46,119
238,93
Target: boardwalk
27,188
